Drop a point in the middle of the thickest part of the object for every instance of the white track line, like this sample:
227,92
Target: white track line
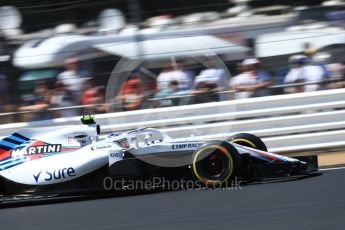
330,169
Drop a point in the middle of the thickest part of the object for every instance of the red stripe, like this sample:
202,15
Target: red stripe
2,151
33,157
262,153
269,156
37,143
69,149
5,155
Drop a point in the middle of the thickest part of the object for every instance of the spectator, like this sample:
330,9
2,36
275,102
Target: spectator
40,102
253,82
239,68
93,95
72,77
132,96
127,85
209,82
175,73
337,73
204,92
41,89
98,100
172,90
63,97
89,90
302,72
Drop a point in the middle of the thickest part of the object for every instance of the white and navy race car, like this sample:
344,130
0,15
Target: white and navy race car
77,159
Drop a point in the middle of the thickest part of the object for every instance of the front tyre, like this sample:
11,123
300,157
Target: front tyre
248,140
215,163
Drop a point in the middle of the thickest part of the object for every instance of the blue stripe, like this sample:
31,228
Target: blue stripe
11,161
21,146
21,136
12,141
16,138
4,147
10,166
8,144
5,159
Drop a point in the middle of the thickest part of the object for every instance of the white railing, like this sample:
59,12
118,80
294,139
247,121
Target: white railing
292,122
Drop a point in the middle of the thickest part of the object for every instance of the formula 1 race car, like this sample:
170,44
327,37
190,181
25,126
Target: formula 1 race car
75,159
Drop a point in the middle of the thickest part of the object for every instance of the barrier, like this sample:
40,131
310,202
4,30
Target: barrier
286,122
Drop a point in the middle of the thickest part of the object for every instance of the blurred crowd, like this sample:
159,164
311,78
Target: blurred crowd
75,92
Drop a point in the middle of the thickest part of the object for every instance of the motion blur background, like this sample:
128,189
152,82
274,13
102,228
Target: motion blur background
56,58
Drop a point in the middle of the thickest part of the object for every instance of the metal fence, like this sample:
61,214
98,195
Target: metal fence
174,100
303,121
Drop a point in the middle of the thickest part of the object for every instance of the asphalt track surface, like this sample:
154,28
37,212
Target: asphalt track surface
312,203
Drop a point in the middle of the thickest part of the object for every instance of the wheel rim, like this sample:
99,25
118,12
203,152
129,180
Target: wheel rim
244,142
214,165
226,159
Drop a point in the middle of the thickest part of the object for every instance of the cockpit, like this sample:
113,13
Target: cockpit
139,138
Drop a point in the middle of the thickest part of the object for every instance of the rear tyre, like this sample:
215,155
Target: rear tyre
248,140
215,163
